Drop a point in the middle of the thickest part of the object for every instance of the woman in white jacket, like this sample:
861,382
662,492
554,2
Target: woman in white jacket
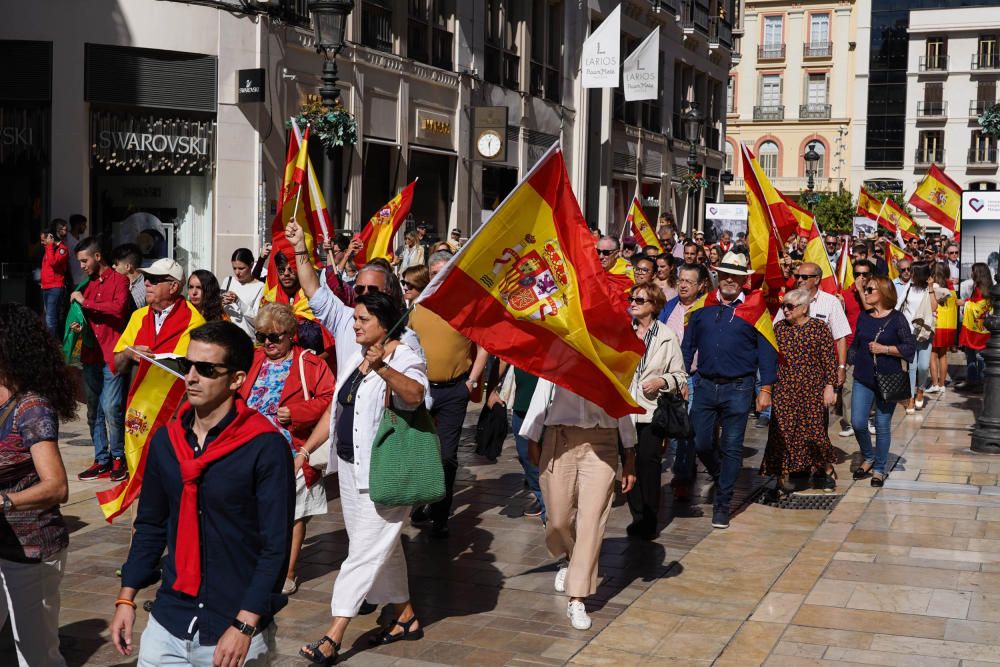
660,370
241,292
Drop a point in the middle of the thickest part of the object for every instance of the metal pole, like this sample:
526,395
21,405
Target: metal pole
986,435
330,96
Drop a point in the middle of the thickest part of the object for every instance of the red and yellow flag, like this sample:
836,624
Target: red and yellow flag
378,233
815,249
153,395
770,224
940,198
845,270
893,253
974,334
528,287
869,206
899,221
753,310
638,223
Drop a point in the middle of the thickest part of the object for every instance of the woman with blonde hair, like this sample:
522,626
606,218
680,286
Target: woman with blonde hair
413,281
412,254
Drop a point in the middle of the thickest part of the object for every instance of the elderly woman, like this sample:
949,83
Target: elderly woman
882,339
413,282
660,370
293,388
36,391
412,255
798,439
375,566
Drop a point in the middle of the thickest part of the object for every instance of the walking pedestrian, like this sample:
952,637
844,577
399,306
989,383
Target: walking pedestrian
915,305
241,292
945,307
55,266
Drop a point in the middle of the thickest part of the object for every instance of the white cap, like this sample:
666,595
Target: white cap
165,267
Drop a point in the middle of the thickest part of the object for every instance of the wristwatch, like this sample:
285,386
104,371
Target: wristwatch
8,504
244,628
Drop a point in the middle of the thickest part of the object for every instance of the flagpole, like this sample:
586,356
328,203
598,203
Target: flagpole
879,216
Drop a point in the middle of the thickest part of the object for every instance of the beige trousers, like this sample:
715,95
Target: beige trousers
578,467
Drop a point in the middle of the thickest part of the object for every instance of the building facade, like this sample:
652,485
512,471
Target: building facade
791,87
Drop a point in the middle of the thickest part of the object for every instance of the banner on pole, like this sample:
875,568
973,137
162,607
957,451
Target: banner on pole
601,60
641,70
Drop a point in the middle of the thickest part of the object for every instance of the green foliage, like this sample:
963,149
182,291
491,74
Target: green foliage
332,126
835,212
989,120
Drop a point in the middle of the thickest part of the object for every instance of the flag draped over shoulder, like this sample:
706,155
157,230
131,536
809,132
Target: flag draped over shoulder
378,233
940,198
815,249
753,310
152,397
637,222
974,334
528,287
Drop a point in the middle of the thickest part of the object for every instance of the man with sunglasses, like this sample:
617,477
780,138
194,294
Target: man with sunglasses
218,495
952,260
832,244
902,281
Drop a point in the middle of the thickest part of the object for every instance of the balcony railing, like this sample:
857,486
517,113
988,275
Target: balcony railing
932,109
694,16
986,61
769,113
977,107
814,110
719,32
817,49
771,52
983,156
789,184
927,157
376,27
938,63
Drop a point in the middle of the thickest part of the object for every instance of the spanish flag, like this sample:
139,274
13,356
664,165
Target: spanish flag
378,233
638,223
899,221
815,249
940,198
153,396
869,206
845,270
974,334
893,253
528,287
753,310
769,225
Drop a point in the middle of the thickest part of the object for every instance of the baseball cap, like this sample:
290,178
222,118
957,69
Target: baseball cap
165,267
423,225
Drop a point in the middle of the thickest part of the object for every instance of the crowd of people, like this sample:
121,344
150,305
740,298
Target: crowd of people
283,390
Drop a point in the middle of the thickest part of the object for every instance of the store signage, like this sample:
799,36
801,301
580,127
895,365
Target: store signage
601,58
153,143
641,70
16,136
434,128
250,85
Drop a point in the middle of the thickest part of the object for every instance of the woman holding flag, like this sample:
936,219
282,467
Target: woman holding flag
945,306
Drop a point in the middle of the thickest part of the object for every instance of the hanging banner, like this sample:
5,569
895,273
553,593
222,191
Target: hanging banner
601,58
641,70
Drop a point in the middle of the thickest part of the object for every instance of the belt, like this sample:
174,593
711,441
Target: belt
449,383
722,380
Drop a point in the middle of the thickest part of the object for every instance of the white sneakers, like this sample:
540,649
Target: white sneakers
846,433
561,579
934,389
576,612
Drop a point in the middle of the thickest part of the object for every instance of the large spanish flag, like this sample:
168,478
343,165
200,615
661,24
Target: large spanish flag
869,206
940,198
974,334
815,249
770,223
378,233
153,395
899,221
528,287
753,310
637,222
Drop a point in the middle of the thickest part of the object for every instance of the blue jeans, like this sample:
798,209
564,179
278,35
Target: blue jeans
530,469
975,366
52,298
728,403
862,399
685,465
920,367
105,411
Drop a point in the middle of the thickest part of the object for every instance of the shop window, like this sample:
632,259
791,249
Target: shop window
429,37
767,156
432,200
376,25
501,60
546,49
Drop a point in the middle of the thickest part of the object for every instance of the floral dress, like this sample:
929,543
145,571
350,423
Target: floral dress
798,438
265,395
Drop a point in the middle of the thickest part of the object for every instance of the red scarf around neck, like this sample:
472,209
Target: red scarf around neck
187,552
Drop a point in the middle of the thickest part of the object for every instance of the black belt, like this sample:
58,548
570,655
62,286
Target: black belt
722,380
449,383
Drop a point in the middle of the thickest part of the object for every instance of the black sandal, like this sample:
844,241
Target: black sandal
316,656
878,480
385,637
861,471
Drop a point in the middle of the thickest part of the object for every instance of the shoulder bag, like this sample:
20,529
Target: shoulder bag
670,419
890,387
405,467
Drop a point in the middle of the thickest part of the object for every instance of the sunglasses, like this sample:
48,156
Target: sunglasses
906,270
205,369
605,253
862,274
156,280
869,290
407,285
274,338
638,300
789,306
804,276
360,290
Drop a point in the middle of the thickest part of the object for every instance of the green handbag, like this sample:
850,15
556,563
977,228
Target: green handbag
405,467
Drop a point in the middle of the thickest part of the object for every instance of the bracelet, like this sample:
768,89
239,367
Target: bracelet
303,453
124,601
842,366
765,390
301,253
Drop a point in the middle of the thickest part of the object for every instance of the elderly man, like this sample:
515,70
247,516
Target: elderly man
731,353
832,245
952,260
608,252
902,281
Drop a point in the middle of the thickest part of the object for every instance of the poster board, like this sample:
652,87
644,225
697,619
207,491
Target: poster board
980,241
724,217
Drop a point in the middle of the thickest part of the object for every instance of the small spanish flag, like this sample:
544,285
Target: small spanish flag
845,270
638,223
815,249
899,221
868,206
940,198
770,223
382,227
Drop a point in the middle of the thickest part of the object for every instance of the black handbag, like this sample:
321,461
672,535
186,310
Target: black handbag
491,429
671,419
890,387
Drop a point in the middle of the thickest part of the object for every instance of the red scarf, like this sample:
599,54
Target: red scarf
247,424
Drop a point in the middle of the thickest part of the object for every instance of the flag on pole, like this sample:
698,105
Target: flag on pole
974,334
382,227
600,60
641,70
899,221
815,248
845,270
528,287
153,395
769,224
868,206
940,198
638,223
893,253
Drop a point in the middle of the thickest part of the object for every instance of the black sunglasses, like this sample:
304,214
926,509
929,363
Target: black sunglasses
862,274
789,306
905,270
804,276
869,290
605,253
156,280
268,338
206,369
638,300
359,290
408,285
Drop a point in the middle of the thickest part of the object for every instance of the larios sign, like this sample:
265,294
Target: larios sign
152,143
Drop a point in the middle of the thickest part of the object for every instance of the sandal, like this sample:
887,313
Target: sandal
878,479
316,656
385,637
861,471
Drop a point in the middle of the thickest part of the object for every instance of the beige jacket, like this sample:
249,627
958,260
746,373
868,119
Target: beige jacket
663,359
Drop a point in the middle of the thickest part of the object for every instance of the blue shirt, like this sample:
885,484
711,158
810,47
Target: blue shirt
727,346
896,333
246,504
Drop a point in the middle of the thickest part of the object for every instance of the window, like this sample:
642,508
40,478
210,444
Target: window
501,60
429,36
930,147
819,167
983,148
816,90
731,95
772,32
986,53
936,57
770,91
376,25
933,99
729,158
546,49
768,158
819,29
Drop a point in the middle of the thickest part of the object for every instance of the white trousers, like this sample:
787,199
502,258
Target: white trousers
375,567
31,599
159,648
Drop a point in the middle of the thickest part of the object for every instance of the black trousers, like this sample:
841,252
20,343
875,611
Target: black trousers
450,405
644,499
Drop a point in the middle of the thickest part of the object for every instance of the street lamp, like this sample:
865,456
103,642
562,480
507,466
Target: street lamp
986,436
692,129
811,157
329,19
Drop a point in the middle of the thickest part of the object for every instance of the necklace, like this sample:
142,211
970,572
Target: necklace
353,383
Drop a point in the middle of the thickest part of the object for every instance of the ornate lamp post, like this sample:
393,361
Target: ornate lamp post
692,131
811,157
986,435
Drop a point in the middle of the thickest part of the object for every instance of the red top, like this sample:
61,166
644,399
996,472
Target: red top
55,264
106,306
853,308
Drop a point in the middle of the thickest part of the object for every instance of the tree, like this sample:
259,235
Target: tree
835,212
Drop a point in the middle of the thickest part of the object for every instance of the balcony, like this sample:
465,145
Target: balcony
719,33
790,184
936,110
986,62
925,157
693,16
769,113
814,111
938,63
376,27
817,50
982,157
977,107
771,52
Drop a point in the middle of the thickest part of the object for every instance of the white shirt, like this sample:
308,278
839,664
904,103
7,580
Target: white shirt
160,317
954,268
826,308
900,287
567,409
243,311
913,296
137,288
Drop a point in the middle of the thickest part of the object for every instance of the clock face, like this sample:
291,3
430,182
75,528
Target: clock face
489,144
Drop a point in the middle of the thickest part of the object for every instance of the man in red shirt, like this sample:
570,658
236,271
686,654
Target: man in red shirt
55,264
105,303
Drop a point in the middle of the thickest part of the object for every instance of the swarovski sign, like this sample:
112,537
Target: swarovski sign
250,85
153,143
